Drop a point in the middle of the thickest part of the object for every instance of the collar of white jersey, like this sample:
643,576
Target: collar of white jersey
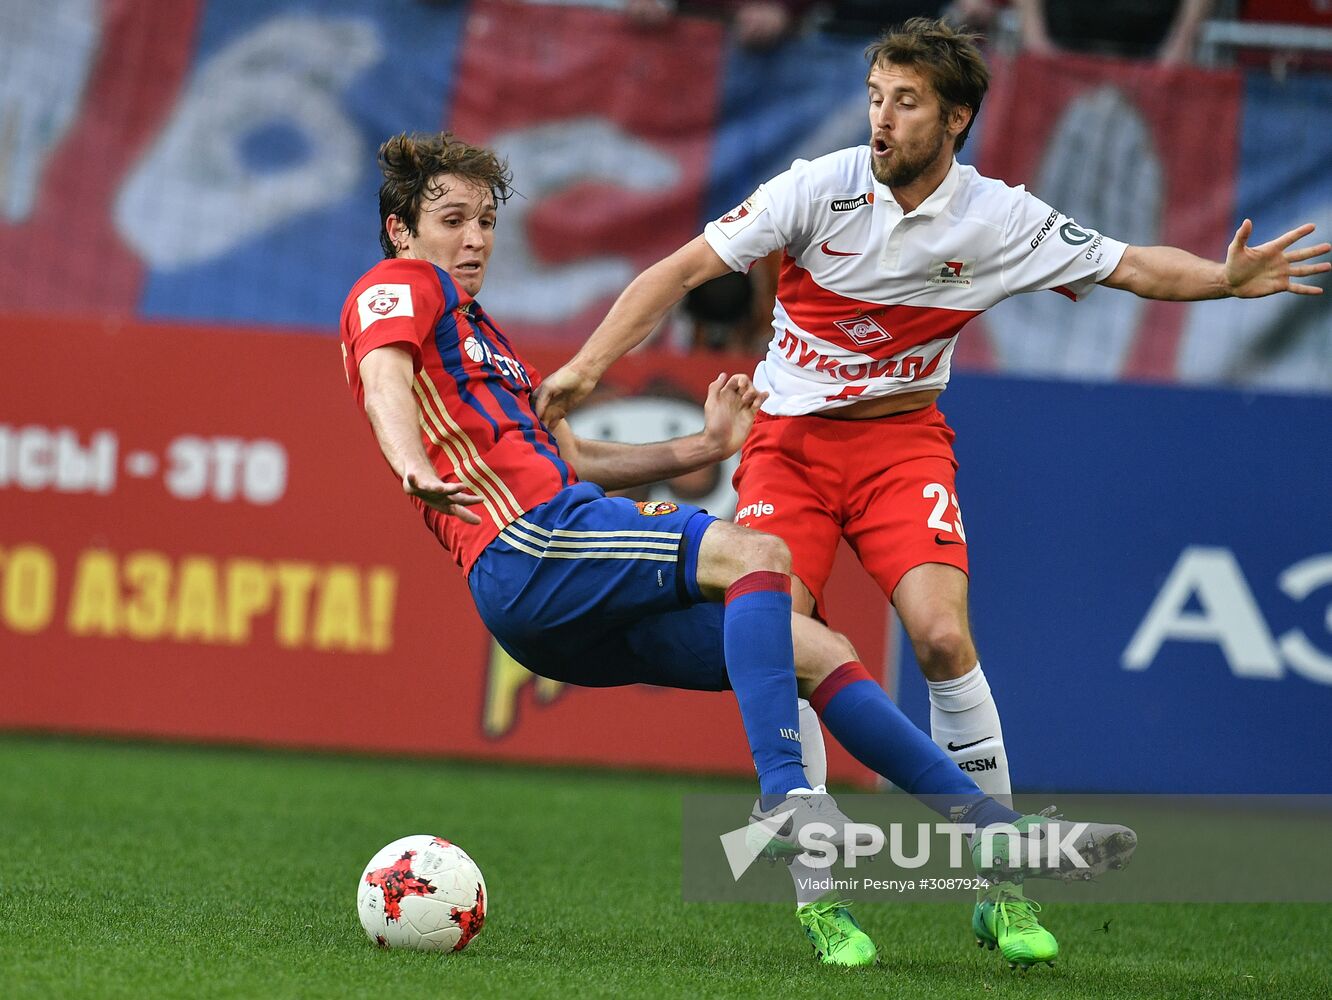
938,199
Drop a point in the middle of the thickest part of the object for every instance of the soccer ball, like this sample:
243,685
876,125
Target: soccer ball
422,892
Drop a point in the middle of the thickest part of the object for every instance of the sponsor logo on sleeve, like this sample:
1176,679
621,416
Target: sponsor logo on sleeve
1044,231
951,272
850,204
382,302
1073,236
742,215
863,330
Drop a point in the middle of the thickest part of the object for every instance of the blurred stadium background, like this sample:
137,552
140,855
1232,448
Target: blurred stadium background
199,544
197,538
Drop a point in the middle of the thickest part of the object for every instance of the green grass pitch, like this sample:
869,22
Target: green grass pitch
149,871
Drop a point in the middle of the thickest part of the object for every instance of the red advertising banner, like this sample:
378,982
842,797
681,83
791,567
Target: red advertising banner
199,541
608,128
1142,153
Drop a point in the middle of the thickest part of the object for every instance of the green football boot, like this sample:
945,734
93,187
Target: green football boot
1006,919
837,938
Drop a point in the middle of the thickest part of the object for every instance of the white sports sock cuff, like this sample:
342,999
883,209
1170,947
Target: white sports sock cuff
960,693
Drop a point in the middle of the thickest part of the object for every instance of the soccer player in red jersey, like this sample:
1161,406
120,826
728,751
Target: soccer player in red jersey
889,249
597,590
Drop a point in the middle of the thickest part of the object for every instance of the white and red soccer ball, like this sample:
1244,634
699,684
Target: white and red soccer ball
422,892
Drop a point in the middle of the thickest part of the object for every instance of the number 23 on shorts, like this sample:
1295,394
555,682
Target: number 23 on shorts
939,493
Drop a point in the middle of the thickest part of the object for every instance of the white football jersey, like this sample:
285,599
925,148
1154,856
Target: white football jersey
869,300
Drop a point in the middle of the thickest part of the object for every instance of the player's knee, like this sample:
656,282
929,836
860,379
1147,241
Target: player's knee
818,652
765,552
944,650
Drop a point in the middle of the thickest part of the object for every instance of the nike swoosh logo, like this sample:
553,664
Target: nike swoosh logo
837,253
962,746
940,540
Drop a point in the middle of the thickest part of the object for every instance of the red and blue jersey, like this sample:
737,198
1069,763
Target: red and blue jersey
473,396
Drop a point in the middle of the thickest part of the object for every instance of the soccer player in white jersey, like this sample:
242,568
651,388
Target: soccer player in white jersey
888,250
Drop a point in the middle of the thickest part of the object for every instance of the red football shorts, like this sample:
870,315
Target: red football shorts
885,483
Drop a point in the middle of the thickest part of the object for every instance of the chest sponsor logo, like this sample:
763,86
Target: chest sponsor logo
655,508
475,349
863,330
479,352
850,204
951,272
906,367
382,301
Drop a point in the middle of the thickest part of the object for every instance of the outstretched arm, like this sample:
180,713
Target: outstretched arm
635,314
727,416
386,373
1247,272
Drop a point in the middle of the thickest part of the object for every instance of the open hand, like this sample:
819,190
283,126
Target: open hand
447,498
1252,272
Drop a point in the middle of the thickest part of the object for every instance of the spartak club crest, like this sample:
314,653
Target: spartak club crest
863,330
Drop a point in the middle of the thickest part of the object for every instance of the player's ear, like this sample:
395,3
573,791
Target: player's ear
397,232
958,119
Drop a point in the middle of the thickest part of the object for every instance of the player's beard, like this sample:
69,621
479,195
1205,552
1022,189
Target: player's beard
910,162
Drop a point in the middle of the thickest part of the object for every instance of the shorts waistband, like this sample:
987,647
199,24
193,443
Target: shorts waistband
922,415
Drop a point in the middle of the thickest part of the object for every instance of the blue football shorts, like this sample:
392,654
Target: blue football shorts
601,591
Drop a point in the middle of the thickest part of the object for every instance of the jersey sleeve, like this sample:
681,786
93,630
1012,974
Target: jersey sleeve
1043,248
399,308
777,215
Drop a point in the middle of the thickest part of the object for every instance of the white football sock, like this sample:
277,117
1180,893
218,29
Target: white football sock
811,745
964,722
816,774
810,883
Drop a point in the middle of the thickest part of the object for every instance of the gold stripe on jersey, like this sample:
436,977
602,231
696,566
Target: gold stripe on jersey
443,412
486,500
455,459
505,507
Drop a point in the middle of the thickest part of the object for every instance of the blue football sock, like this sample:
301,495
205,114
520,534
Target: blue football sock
861,717
761,667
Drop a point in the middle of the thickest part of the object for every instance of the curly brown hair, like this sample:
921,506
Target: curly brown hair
411,164
948,58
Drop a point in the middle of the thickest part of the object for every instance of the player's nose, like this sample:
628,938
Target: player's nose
474,235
